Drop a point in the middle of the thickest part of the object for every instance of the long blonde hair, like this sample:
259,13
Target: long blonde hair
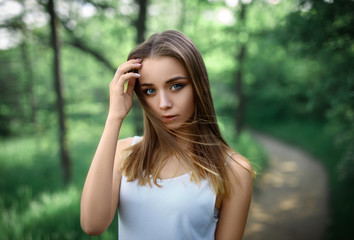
207,157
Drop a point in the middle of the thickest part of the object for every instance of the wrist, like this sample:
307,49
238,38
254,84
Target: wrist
111,118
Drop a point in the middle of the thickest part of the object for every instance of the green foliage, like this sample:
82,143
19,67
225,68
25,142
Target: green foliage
298,83
309,100
33,201
302,90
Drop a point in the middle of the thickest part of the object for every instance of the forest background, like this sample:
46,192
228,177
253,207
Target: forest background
281,67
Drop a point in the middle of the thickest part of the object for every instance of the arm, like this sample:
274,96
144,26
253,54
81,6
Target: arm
99,197
235,206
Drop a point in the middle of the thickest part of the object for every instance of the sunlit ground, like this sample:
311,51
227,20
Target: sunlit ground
291,197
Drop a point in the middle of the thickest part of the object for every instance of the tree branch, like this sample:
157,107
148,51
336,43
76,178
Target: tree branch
81,45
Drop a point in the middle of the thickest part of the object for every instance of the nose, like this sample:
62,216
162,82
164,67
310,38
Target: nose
165,101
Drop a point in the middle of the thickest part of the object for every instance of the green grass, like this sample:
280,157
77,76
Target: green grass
314,137
34,202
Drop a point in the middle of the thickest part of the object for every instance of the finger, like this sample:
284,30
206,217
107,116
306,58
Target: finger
124,68
130,87
126,77
128,66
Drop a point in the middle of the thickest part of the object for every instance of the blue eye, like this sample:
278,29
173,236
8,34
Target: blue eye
177,86
149,91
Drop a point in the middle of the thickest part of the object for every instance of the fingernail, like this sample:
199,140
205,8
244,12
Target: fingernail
138,64
137,74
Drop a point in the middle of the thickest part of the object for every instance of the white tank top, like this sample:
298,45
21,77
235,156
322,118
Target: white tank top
179,210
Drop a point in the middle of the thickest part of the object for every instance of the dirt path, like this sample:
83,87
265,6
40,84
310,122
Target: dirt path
290,200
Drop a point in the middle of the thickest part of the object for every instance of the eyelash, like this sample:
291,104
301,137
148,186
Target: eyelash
147,90
178,85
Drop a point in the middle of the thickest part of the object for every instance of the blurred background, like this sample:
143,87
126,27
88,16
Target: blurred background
284,68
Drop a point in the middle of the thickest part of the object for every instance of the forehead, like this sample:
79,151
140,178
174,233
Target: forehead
157,69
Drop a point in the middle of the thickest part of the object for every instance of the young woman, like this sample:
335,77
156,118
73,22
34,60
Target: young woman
180,180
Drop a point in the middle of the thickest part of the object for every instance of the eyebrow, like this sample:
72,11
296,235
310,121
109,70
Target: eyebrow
168,81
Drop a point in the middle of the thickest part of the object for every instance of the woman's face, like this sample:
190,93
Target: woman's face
167,90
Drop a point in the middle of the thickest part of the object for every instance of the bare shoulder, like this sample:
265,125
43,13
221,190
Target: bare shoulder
124,143
239,162
235,205
240,170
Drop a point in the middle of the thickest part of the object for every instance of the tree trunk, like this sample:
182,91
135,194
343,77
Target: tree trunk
241,56
140,26
58,84
29,84
141,21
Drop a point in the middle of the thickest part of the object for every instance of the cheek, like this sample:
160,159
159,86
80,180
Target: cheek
151,104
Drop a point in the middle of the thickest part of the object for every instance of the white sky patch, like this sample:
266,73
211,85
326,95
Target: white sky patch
232,3
72,9
225,16
274,2
35,16
126,10
9,9
127,7
63,8
306,7
35,19
9,39
87,10
127,2
154,9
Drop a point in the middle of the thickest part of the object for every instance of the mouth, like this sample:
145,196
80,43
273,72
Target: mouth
168,118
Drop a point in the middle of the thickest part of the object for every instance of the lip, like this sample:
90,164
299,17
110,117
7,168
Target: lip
168,118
